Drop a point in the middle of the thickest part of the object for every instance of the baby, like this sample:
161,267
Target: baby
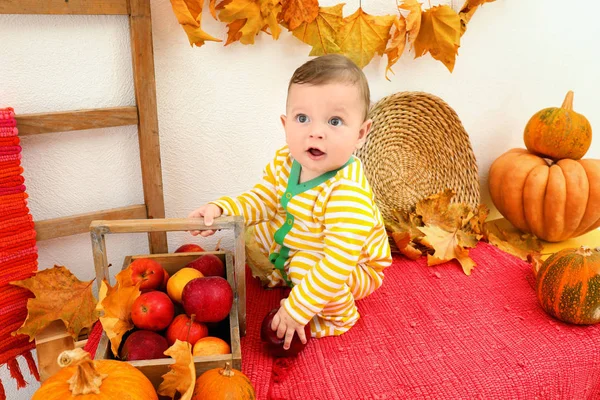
314,212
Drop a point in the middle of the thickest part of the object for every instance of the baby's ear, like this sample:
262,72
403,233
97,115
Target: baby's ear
365,128
283,120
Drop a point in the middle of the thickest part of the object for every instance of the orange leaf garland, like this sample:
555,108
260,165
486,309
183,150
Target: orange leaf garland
413,19
322,31
397,43
296,12
363,35
439,35
189,16
59,295
256,14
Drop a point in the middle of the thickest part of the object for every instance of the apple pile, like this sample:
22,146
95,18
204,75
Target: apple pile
187,306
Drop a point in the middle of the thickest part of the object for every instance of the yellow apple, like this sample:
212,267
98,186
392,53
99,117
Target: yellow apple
178,280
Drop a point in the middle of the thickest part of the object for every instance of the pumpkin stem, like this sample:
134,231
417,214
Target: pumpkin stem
86,379
568,103
227,371
549,161
584,251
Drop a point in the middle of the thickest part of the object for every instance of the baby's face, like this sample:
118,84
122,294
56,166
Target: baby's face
323,126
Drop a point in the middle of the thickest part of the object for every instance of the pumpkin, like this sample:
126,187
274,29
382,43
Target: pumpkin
568,285
554,201
223,384
84,379
558,132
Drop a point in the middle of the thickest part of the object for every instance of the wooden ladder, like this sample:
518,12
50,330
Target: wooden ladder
144,114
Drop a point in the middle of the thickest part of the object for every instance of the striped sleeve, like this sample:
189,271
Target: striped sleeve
258,204
349,220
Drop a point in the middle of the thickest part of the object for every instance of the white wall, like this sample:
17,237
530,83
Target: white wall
219,107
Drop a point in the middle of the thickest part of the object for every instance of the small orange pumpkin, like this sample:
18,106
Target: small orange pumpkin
568,285
84,379
558,133
554,201
223,384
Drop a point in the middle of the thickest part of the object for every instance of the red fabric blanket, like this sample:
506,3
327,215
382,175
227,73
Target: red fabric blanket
435,333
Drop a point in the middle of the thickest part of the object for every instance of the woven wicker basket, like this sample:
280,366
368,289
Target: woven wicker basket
417,147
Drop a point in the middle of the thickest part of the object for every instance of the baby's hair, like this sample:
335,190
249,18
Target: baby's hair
333,68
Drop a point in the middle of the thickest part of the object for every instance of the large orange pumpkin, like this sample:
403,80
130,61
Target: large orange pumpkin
558,132
568,285
223,384
554,201
86,379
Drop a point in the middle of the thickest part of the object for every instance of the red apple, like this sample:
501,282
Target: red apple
184,329
210,298
163,286
274,345
209,265
144,345
152,311
189,247
149,272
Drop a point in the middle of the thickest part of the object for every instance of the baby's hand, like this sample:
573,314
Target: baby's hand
285,325
209,212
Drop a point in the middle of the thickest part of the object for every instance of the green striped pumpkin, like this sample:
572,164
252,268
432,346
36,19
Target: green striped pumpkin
568,285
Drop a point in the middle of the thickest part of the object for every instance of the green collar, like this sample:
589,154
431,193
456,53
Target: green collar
295,188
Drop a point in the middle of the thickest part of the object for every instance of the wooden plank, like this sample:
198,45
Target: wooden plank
145,95
163,225
83,7
33,124
74,224
239,249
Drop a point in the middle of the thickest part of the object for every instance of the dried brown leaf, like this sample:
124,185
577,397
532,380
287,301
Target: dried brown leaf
413,19
59,295
296,12
448,246
322,32
515,242
395,47
439,35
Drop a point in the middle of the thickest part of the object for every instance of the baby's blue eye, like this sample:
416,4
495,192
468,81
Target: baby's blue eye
335,121
301,118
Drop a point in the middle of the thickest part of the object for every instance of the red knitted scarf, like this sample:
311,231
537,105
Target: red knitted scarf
18,252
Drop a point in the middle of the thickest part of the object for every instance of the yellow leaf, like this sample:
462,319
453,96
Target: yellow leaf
437,210
116,304
448,246
270,9
247,10
523,245
439,35
59,295
321,33
397,43
189,16
182,374
403,242
467,11
296,12
413,19
363,35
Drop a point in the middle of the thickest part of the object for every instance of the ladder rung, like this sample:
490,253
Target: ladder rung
74,224
33,124
63,7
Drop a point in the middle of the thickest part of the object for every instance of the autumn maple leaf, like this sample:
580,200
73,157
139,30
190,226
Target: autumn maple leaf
321,33
467,11
395,47
59,295
115,303
523,245
362,35
189,16
448,246
437,210
182,374
439,35
413,19
246,18
296,12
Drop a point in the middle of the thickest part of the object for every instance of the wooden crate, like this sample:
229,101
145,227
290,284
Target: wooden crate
234,264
